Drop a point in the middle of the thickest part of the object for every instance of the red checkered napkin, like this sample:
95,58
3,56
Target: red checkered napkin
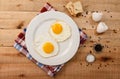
21,46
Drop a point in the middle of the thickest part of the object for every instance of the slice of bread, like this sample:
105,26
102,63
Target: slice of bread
74,8
77,6
69,7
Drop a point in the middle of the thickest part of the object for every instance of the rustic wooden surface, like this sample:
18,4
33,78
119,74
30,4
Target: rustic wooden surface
16,14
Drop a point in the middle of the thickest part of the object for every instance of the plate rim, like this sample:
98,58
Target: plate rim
30,26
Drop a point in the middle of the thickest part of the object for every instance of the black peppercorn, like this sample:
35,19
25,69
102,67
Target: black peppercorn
98,47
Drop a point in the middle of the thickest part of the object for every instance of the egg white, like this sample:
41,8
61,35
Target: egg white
65,34
39,41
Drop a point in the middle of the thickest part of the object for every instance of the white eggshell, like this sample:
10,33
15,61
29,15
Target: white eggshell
102,27
97,16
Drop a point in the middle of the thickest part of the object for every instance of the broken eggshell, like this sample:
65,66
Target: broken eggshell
102,27
97,16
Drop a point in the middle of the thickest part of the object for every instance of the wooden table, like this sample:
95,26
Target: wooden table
16,14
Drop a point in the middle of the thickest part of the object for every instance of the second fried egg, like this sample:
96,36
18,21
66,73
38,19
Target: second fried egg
60,31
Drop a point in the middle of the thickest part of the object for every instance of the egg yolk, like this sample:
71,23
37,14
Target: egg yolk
57,28
48,47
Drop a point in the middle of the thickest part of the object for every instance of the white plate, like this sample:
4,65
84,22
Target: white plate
41,24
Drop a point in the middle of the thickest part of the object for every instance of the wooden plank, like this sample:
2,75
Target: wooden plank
17,15
13,20
91,72
10,54
22,23
69,71
21,71
8,36
22,68
17,5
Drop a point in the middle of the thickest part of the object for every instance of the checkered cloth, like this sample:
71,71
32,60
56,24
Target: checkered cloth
21,46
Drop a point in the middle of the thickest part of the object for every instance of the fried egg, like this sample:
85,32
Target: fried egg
46,46
60,31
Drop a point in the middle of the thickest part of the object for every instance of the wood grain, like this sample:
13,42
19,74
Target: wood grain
16,15
18,5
